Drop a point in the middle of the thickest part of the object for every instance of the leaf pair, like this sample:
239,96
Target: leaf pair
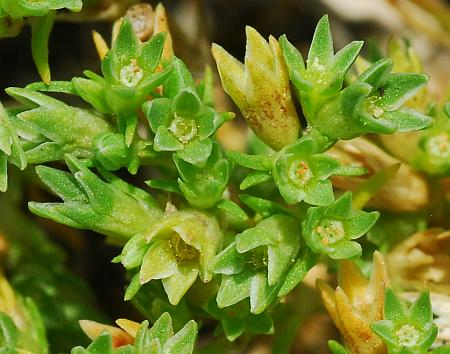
111,206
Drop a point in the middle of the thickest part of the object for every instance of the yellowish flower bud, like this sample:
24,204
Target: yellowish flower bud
119,336
260,88
356,303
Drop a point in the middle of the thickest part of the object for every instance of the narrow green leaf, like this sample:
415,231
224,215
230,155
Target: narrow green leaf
40,33
255,162
372,185
255,178
232,208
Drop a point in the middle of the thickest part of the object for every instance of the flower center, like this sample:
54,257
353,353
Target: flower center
408,335
258,258
131,74
183,252
316,71
330,231
438,146
299,172
372,107
184,129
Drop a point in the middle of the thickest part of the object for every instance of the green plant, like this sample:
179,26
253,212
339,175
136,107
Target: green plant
191,243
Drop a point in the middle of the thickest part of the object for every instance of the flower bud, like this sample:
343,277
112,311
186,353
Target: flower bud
356,303
260,88
111,151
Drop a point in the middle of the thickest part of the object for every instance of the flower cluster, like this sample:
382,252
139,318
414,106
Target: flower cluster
192,244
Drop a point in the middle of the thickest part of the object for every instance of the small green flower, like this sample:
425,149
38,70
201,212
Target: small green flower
373,104
301,171
324,74
256,263
130,71
131,74
176,249
406,331
432,146
181,121
159,339
204,187
111,206
330,229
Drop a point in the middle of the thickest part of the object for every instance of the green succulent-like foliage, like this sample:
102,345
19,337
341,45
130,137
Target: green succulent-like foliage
182,123
109,206
331,229
43,123
300,171
370,104
406,330
176,249
196,246
256,263
159,339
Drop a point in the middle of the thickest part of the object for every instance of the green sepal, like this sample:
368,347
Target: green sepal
254,162
304,262
164,185
93,92
254,178
196,152
262,206
232,208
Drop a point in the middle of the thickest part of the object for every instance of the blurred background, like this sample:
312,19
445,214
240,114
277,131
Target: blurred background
194,24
